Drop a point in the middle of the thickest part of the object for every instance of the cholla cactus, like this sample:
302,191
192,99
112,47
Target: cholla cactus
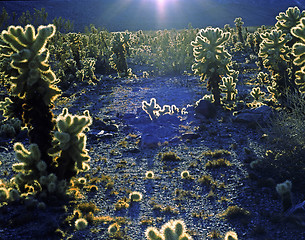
154,110
286,21
29,57
274,51
262,77
284,190
231,236
251,41
70,143
212,60
32,85
239,23
172,230
229,88
120,49
257,94
298,51
277,58
151,108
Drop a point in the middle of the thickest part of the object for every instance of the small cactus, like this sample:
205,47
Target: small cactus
81,224
284,190
152,108
229,88
149,175
113,229
257,94
135,196
185,174
172,230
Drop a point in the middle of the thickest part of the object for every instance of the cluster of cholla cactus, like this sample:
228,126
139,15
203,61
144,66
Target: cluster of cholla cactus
52,158
172,230
154,110
77,57
165,51
282,52
212,60
120,50
276,58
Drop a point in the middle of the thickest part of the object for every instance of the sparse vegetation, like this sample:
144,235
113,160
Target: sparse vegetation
176,159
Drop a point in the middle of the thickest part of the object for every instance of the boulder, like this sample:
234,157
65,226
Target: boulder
255,116
205,108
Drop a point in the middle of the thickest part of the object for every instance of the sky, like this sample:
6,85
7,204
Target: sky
119,15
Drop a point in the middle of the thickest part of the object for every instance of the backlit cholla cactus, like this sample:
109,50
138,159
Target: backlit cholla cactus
298,51
172,230
274,51
262,77
289,19
257,94
32,84
229,88
151,108
29,56
154,110
120,49
276,57
70,144
239,23
212,60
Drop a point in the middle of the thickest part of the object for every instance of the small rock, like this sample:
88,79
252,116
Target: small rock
190,136
111,128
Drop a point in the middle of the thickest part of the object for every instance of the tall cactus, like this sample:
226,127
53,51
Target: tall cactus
298,51
239,23
33,86
276,57
212,60
53,158
289,19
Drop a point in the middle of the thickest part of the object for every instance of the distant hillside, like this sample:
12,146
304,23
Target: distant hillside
118,15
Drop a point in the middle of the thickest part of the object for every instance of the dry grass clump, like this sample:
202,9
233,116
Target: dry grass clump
221,162
216,153
233,212
169,156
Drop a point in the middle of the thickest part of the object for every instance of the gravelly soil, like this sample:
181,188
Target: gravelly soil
120,154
